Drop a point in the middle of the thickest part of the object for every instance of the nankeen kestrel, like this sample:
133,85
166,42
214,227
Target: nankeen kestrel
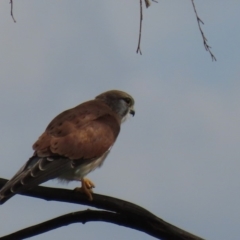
75,143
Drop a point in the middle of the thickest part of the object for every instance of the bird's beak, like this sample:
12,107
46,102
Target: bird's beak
132,112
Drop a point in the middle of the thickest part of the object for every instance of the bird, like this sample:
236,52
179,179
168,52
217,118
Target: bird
76,142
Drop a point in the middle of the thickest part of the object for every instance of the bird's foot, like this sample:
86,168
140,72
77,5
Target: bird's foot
88,183
87,186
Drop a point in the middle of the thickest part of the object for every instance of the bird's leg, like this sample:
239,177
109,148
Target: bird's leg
89,184
86,187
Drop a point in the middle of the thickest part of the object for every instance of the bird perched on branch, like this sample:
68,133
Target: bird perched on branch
75,143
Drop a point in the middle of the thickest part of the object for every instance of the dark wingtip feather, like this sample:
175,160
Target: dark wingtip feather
36,171
4,198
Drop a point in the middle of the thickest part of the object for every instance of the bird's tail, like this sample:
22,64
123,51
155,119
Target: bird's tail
5,194
36,171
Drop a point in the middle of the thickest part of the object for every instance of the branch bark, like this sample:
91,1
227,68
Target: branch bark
117,211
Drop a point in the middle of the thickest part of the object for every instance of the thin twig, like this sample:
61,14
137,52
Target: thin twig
140,29
199,21
11,2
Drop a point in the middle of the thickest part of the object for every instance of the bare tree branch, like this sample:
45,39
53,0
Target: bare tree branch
123,213
140,29
144,225
147,3
11,2
81,216
199,21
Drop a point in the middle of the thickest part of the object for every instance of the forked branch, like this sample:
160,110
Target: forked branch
116,211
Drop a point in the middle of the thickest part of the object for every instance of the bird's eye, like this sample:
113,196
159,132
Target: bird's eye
128,101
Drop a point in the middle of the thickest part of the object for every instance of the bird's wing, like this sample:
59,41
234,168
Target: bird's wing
74,137
86,131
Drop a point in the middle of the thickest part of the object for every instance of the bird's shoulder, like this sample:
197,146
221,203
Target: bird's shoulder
80,115
89,128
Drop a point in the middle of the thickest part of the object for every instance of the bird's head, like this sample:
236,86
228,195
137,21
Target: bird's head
120,102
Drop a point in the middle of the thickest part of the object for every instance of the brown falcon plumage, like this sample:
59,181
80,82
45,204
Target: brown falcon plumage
74,143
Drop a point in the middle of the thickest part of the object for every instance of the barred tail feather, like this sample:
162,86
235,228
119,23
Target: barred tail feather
36,171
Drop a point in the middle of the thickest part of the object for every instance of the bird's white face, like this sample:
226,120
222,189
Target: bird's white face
120,102
125,109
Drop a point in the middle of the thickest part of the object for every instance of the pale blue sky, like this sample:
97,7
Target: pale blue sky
179,157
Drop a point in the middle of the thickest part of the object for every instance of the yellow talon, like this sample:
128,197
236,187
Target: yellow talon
86,188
